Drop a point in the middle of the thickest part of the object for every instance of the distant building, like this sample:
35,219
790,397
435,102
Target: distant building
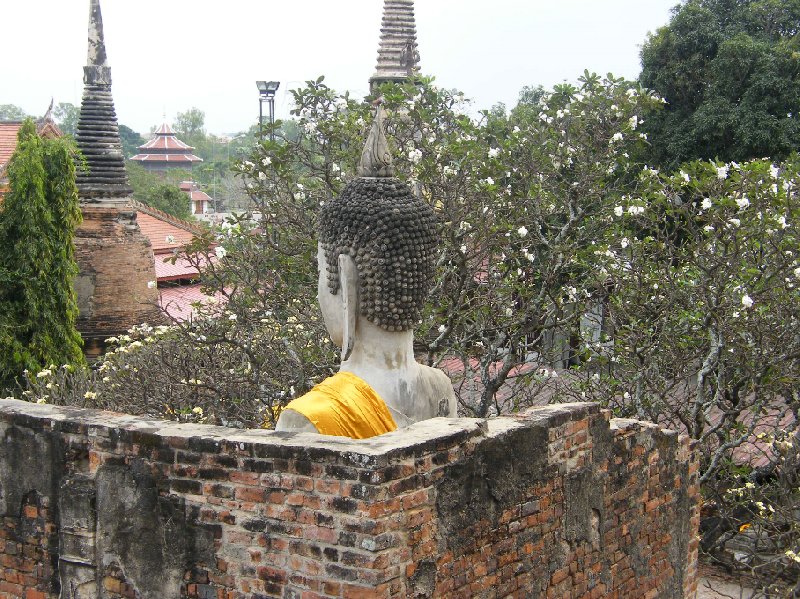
47,129
177,282
201,202
165,152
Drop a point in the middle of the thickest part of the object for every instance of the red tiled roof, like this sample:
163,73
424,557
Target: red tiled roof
8,142
165,147
177,301
165,129
166,232
167,271
171,158
164,236
195,194
163,142
199,196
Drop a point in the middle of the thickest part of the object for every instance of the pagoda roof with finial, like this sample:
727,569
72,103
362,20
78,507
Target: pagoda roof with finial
97,136
166,148
398,53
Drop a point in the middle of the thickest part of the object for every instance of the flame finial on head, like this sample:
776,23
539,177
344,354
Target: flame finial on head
376,160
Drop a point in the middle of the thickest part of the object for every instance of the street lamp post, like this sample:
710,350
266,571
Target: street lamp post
266,91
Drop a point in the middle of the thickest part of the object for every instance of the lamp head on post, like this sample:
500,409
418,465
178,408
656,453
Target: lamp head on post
266,91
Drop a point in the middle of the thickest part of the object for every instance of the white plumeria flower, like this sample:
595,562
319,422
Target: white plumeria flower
522,231
616,137
267,161
442,328
735,222
774,171
220,252
634,121
708,228
489,181
90,395
262,176
706,204
624,242
782,222
494,152
747,301
685,176
151,284
722,172
170,239
415,155
742,202
618,210
232,317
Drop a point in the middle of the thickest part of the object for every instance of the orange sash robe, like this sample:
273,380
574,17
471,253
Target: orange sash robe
346,406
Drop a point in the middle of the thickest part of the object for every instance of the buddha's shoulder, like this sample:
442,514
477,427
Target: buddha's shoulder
439,390
290,420
435,377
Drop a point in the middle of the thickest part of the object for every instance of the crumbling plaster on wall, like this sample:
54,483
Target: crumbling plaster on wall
558,501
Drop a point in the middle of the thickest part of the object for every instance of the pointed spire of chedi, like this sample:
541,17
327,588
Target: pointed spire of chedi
104,176
398,55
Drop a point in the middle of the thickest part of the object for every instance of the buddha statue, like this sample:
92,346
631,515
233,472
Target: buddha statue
376,261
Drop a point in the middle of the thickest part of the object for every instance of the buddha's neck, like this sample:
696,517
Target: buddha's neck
375,348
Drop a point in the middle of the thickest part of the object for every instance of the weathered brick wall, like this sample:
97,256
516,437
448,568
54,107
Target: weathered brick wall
115,262
557,502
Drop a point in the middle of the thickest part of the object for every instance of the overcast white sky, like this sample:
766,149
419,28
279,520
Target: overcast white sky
169,55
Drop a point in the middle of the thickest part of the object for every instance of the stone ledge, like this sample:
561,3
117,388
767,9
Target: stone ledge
423,437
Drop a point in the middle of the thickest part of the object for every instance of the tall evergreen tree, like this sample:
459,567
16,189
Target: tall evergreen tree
38,305
730,73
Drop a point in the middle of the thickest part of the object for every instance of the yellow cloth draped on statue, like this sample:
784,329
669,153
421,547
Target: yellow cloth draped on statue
346,406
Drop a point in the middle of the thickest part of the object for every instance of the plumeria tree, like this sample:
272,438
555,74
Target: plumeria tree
568,270
521,199
701,271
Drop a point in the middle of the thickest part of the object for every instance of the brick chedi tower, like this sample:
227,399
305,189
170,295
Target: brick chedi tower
398,55
114,259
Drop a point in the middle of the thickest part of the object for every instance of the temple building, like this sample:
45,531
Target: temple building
177,279
398,54
201,202
165,151
46,128
115,260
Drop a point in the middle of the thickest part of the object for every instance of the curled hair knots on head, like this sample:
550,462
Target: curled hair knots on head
391,236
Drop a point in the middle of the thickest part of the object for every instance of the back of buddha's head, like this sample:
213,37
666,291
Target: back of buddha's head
388,232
